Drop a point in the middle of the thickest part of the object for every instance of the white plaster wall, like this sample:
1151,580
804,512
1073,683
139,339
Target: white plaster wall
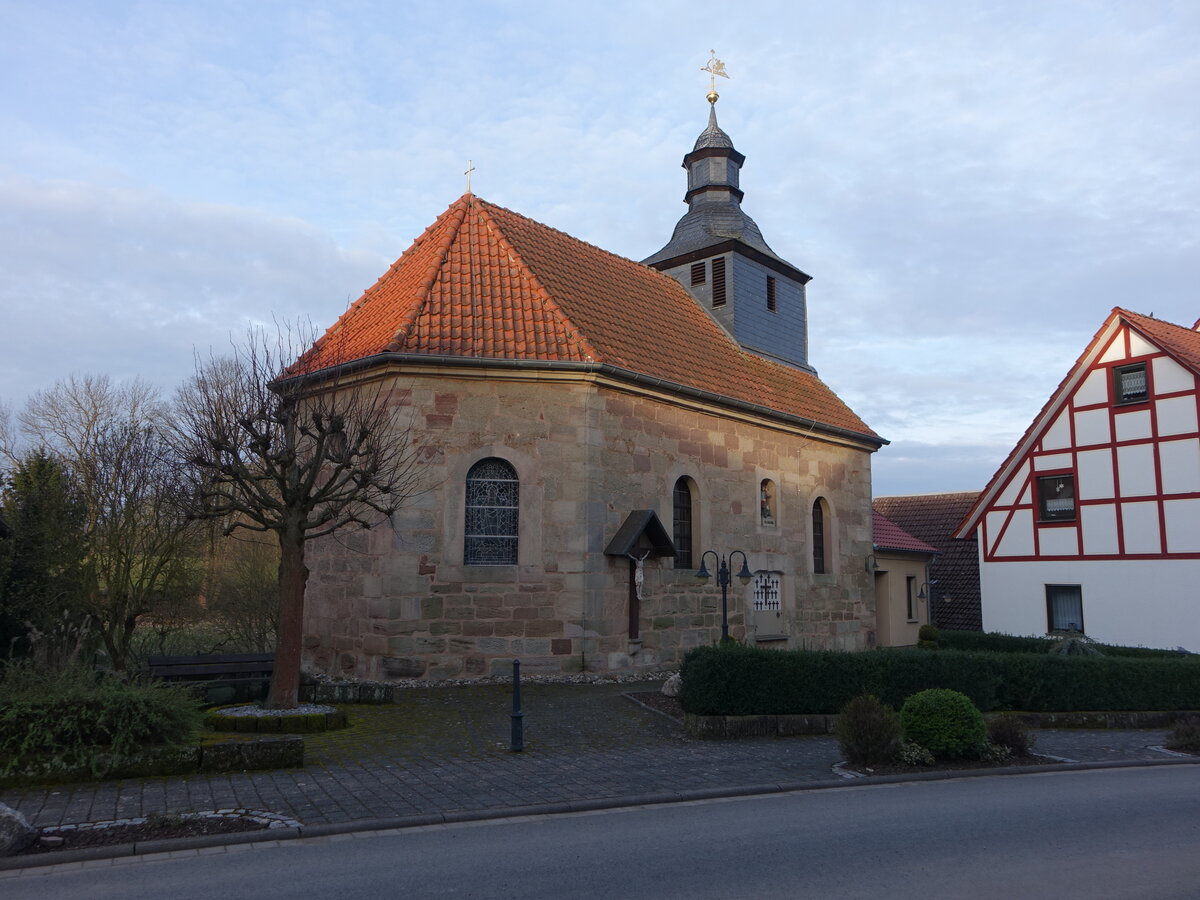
1058,435
1133,426
1180,462
1092,427
1094,469
1139,522
1176,415
1051,462
1151,603
1170,376
1093,390
1135,468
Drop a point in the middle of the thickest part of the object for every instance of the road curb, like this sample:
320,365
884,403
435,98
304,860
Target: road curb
396,823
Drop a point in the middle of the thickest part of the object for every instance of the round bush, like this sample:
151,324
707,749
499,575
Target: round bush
868,731
944,722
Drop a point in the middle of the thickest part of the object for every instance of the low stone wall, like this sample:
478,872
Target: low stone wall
787,725
217,756
757,726
326,691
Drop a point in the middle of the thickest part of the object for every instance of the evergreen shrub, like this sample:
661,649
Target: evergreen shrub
1009,643
83,719
868,732
928,633
944,722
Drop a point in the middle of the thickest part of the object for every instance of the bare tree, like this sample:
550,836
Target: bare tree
140,539
298,455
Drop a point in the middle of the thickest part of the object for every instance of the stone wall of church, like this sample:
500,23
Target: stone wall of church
398,602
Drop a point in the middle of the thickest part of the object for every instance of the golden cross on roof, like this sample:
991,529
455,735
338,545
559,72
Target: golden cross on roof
470,169
714,68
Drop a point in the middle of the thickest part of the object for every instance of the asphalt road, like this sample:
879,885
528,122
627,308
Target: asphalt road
1095,834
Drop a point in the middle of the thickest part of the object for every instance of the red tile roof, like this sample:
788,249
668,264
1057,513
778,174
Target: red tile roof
890,536
483,282
932,518
1180,342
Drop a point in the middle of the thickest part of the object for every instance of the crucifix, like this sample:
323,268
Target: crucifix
471,168
714,68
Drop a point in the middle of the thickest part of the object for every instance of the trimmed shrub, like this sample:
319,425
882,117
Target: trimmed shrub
944,722
1007,643
743,681
868,732
1010,732
927,636
746,681
82,719
1185,736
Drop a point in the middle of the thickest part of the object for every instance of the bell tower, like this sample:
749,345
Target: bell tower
718,254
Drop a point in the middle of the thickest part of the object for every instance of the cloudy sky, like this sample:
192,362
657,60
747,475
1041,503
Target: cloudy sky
972,185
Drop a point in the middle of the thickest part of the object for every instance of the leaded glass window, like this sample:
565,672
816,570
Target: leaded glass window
682,519
818,539
491,520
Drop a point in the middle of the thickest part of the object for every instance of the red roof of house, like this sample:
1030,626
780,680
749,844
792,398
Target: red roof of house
1180,342
890,536
483,282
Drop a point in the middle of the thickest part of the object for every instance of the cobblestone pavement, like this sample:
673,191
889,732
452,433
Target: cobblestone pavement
443,750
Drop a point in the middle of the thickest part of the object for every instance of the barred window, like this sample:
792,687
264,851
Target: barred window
491,520
1129,383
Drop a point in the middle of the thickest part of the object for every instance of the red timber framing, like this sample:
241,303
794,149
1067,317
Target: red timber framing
1129,460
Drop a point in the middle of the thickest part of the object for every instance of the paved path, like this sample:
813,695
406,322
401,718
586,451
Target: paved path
445,750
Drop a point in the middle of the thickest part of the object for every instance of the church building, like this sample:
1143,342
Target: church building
594,432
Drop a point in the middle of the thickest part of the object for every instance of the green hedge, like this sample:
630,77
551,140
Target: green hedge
747,681
84,720
1009,643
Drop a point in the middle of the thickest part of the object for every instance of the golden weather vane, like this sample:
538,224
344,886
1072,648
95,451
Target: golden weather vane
714,68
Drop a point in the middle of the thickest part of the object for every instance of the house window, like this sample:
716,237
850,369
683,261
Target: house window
1064,608
910,583
1129,383
698,274
770,294
490,537
718,286
682,519
1056,498
766,501
819,548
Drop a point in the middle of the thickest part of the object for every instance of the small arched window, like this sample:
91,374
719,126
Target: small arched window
682,520
820,546
490,526
766,501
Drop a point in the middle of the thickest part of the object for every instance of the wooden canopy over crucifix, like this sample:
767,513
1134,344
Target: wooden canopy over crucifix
640,536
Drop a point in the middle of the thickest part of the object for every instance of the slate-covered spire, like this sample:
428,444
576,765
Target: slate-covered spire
714,198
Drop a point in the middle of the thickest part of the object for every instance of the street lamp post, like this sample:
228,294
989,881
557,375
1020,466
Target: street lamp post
723,579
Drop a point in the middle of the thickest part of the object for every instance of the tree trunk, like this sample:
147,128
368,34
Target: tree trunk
293,575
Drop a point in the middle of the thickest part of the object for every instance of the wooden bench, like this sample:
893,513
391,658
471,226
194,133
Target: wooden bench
218,678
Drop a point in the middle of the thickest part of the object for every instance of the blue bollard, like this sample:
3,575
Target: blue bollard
518,730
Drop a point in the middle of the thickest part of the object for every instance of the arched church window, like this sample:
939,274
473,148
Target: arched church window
682,519
820,546
491,521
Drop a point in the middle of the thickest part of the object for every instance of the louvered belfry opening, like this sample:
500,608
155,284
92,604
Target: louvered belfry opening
718,281
698,273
